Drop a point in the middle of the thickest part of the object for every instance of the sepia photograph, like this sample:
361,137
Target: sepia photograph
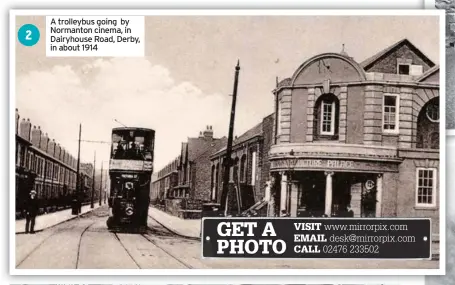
321,115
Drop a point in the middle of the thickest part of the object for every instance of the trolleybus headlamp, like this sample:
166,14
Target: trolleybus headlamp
129,211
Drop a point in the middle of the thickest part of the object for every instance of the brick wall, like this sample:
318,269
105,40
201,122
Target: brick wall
267,141
202,176
406,195
202,173
389,63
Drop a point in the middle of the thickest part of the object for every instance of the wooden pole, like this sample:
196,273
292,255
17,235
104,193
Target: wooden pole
101,182
78,186
227,160
92,205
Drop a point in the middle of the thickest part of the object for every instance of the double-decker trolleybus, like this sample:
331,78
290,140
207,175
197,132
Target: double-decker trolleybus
130,172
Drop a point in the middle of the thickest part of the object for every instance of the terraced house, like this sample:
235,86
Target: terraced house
45,166
356,135
184,184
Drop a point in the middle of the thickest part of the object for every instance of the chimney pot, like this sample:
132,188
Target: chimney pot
28,119
39,127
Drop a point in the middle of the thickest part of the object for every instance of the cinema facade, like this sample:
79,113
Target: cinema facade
360,136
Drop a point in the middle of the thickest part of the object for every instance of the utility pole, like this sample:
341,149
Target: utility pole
105,191
78,188
78,180
101,182
227,160
93,182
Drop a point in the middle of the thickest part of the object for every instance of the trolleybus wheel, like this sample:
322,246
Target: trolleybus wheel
109,223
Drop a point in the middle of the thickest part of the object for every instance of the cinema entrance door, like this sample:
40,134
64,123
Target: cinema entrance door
330,188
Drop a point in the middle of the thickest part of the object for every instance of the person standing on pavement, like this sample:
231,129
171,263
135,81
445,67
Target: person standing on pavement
31,209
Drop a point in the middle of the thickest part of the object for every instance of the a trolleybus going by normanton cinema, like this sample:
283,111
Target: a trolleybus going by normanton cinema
130,172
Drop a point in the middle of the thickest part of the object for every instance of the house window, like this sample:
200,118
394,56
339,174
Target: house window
253,168
432,111
426,187
243,168
428,125
404,69
184,174
30,160
235,174
214,182
390,113
327,117
22,155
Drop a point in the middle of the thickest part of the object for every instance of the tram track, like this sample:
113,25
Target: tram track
77,245
80,242
149,240
174,232
53,234
39,245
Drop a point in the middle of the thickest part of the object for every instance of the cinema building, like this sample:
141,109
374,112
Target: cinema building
359,135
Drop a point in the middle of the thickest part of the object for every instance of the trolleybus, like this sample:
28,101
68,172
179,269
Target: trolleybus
130,172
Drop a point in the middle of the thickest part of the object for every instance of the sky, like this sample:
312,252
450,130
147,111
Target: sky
185,80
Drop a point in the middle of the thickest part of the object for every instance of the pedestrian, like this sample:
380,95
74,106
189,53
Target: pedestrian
349,212
31,209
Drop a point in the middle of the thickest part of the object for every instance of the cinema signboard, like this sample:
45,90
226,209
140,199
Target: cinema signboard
335,164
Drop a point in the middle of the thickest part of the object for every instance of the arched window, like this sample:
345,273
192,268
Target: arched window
243,168
326,120
217,175
212,179
236,170
428,125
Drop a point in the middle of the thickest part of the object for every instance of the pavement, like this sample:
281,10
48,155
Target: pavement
185,228
49,220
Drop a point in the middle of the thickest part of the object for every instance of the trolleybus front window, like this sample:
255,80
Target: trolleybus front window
132,145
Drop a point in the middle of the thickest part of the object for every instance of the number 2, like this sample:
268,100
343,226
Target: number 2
28,35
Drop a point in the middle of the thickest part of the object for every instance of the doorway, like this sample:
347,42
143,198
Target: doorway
312,194
341,193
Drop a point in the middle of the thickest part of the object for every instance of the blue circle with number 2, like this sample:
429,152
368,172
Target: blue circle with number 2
28,35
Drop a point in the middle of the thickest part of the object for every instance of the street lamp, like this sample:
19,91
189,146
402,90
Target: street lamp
291,162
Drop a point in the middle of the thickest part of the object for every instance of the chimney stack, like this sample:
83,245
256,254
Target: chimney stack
58,151
208,133
36,136
17,121
63,156
51,147
29,130
25,129
44,141
22,129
